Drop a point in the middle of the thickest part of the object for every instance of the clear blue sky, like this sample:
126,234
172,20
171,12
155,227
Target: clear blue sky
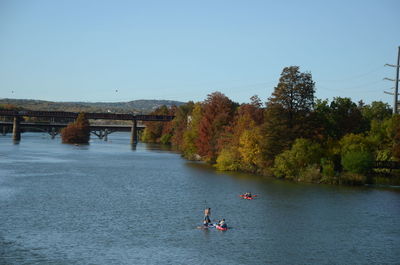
183,50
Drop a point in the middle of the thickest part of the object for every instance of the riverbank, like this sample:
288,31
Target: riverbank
316,176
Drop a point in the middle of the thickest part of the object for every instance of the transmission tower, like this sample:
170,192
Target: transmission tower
396,83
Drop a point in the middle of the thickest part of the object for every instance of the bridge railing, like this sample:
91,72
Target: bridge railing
154,117
387,164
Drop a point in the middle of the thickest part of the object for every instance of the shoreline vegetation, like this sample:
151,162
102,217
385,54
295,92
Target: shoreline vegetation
294,136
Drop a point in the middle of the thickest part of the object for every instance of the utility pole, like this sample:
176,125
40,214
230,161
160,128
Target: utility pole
396,83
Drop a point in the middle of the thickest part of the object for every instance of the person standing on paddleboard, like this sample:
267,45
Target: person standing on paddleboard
207,213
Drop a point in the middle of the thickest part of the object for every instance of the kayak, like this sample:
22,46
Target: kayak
221,228
246,197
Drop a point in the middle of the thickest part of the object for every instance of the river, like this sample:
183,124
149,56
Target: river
109,203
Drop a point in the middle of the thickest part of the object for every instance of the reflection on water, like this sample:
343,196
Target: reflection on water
114,203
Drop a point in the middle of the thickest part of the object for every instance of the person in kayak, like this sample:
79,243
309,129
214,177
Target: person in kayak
207,220
247,194
222,223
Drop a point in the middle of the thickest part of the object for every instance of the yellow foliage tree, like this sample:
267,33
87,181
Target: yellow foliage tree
250,148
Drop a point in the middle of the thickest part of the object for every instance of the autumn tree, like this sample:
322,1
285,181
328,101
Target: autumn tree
217,113
77,132
191,133
180,124
250,149
240,137
9,107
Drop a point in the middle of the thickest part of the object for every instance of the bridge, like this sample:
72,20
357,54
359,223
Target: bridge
53,129
99,130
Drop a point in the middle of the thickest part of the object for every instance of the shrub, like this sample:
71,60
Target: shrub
328,168
227,160
291,163
166,138
352,179
358,162
284,167
310,174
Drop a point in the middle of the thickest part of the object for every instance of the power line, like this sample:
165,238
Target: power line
357,76
347,88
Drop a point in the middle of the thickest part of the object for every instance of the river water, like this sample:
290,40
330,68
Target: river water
109,203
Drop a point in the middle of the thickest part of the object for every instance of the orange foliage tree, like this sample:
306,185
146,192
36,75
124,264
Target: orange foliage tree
218,111
77,132
237,138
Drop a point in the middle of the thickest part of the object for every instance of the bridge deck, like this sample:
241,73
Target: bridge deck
73,115
62,125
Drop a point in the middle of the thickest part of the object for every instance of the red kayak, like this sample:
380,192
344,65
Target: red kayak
246,197
221,228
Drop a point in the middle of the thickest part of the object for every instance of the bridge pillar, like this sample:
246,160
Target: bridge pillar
16,129
105,135
134,132
4,130
53,132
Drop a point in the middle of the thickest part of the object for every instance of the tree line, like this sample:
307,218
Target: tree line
292,136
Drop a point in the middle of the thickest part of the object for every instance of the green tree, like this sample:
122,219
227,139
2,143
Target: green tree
291,164
394,132
295,95
191,133
288,113
358,161
180,124
155,129
357,153
346,117
355,142
377,110
340,117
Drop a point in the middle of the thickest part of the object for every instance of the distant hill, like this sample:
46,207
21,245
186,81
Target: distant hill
135,106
